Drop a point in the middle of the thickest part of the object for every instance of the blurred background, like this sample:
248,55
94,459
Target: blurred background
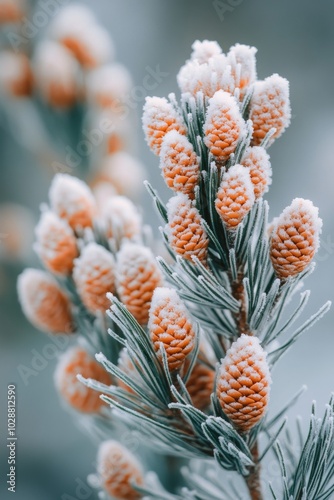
294,39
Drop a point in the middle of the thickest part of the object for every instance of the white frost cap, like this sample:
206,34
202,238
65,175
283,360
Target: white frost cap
176,202
125,173
122,217
48,223
72,199
243,55
55,67
112,457
28,283
95,256
108,83
202,51
166,300
250,347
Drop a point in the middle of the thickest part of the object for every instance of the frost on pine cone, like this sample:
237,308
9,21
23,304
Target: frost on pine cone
256,159
76,361
56,244
94,276
295,238
243,383
179,163
137,277
243,62
223,125
235,196
118,469
43,302
72,200
270,108
185,231
159,118
121,218
169,324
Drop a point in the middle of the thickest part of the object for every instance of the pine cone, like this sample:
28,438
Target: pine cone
11,11
256,159
200,383
118,468
72,200
56,244
235,196
179,163
185,231
243,62
170,325
243,383
73,362
16,77
121,218
295,238
43,302
94,276
137,277
270,107
159,117
223,125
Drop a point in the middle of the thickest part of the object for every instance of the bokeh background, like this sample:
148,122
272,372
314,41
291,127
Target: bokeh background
294,39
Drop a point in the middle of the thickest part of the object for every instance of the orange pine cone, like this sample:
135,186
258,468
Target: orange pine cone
235,196
200,383
118,469
295,238
179,163
137,277
43,302
243,62
170,325
11,11
159,117
72,200
77,361
185,231
16,77
243,383
121,218
270,108
223,126
94,276
56,244
256,159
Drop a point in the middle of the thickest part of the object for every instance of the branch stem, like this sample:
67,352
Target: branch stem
253,481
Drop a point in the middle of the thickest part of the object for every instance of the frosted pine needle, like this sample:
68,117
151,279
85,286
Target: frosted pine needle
56,244
125,364
77,361
185,231
94,276
223,125
43,302
295,238
235,196
256,159
137,277
170,325
179,163
118,470
72,200
122,218
270,108
160,117
243,62
243,383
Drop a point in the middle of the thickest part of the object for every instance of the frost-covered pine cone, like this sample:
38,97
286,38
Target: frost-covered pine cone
137,277
256,159
121,218
270,108
185,231
179,163
243,383
223,125
295,238
76,361
118,469
72,200
55,243
43,302
235,196
159,117
16,78
243,62
201,383
94,276
169,324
